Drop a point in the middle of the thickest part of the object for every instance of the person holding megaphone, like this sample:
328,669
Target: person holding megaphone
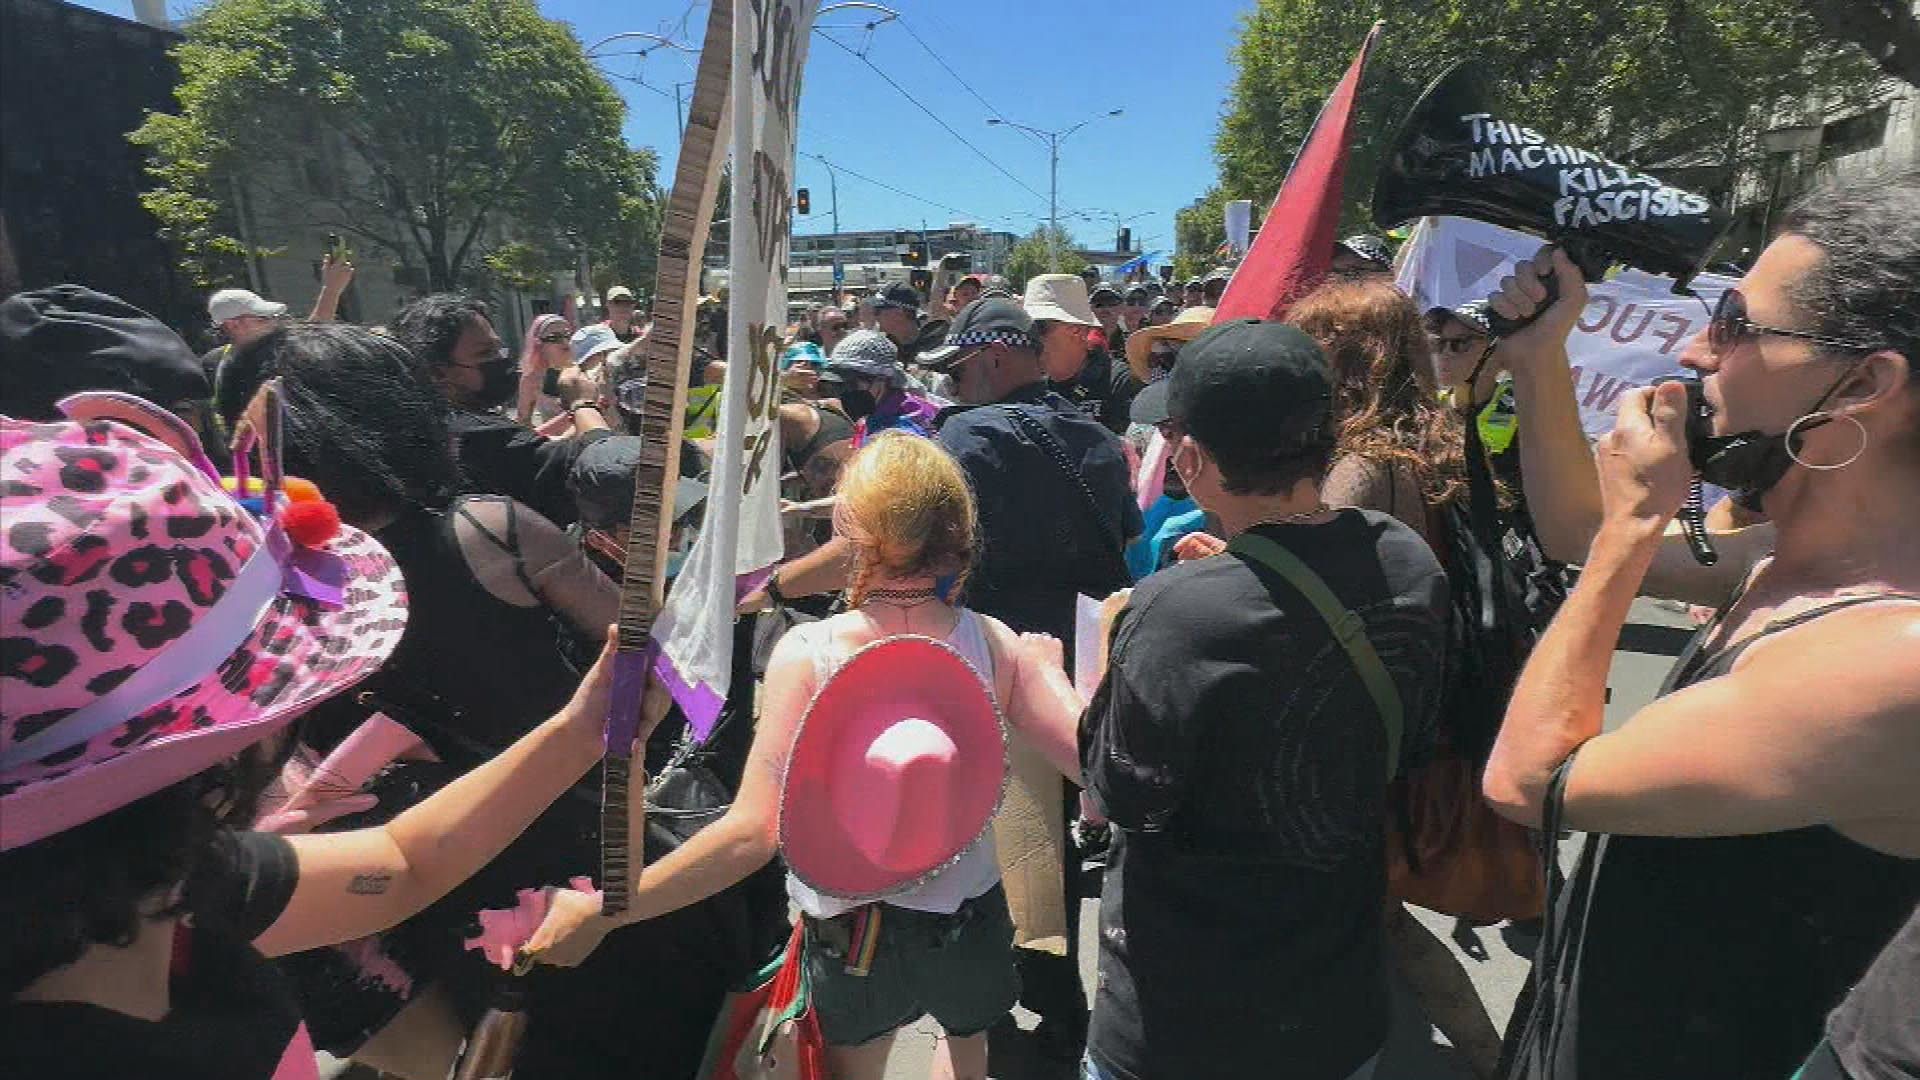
1755,831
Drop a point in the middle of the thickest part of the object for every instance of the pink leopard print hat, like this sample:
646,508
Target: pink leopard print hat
151,626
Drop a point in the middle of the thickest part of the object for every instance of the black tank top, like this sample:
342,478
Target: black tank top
1718,958
833,428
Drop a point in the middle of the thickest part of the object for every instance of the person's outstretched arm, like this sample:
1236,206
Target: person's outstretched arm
334,279
352,884
723,853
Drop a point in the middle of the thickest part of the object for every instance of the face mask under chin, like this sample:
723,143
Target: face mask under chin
1748,464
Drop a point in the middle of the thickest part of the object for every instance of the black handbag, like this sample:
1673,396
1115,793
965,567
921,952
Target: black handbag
1546,1046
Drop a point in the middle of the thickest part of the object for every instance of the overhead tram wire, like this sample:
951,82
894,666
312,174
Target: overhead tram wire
883,185
948,68
948,128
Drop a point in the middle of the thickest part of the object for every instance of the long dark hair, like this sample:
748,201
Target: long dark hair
360,423
1384,400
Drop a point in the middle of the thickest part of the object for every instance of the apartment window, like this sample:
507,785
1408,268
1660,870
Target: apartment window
1852,134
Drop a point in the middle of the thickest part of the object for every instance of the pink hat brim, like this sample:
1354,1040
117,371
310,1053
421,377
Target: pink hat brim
299,655
899,677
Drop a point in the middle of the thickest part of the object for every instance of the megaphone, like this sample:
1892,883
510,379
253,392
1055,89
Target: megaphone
1454,156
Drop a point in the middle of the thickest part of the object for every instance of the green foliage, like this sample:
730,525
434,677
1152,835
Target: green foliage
1657,83
1198,232
1034,254
447,135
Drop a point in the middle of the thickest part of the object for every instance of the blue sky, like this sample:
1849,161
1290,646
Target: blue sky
1044,63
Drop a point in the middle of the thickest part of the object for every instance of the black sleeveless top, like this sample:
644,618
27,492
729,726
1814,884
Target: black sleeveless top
1719,957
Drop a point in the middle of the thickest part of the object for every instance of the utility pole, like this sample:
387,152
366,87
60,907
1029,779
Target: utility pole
1053,140
833,195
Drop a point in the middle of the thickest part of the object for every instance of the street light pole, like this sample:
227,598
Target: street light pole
1053,203
1053,140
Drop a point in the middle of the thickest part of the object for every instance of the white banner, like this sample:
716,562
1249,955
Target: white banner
1630,334
740,538
1239,224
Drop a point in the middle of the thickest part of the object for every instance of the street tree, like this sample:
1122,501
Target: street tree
1043,251
1681,85
1888,31
454,137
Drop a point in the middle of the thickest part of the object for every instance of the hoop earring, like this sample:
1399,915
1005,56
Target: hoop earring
1823,417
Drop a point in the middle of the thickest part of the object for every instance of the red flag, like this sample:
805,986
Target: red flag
1296,240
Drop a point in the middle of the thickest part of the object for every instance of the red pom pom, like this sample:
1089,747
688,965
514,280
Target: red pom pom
310,524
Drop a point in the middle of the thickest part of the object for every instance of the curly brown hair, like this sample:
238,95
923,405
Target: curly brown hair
1384,398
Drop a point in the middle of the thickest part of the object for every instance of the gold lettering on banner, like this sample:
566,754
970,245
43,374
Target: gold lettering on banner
762,403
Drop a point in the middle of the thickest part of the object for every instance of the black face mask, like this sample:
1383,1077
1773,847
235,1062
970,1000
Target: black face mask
499,379
1748,463
858,404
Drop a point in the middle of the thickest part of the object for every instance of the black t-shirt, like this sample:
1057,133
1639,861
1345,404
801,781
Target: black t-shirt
1092,392
1039,545
500,457
1242,763
232,1015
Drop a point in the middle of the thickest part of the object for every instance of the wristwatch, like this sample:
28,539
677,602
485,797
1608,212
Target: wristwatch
578,405
772,587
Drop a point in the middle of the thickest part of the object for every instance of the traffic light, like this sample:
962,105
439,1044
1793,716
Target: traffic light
1126,237
804,200
921,280
914,253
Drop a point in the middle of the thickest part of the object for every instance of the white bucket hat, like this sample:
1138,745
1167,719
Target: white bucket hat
1059,298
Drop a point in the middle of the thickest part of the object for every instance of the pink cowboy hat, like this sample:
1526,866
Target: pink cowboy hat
897,769
152,625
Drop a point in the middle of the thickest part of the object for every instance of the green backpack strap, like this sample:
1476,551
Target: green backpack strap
1347,628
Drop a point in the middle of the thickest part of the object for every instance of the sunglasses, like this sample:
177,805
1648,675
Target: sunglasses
555,339
1459,345
1728,327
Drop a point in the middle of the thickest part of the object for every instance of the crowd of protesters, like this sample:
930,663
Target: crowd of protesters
306,657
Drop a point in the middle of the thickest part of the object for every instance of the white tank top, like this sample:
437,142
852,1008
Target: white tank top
978,869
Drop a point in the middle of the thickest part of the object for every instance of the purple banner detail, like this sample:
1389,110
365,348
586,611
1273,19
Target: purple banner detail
746,583
623,705
700,705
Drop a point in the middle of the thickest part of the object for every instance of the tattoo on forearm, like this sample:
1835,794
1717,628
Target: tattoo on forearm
369,884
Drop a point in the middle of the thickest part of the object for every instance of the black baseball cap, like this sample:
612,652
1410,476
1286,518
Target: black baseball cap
1150,404
904,297
1250,387
983,322
1103,292
603,476
1138,294
64,339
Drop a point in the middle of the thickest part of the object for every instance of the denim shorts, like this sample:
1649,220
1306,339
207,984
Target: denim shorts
957,968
